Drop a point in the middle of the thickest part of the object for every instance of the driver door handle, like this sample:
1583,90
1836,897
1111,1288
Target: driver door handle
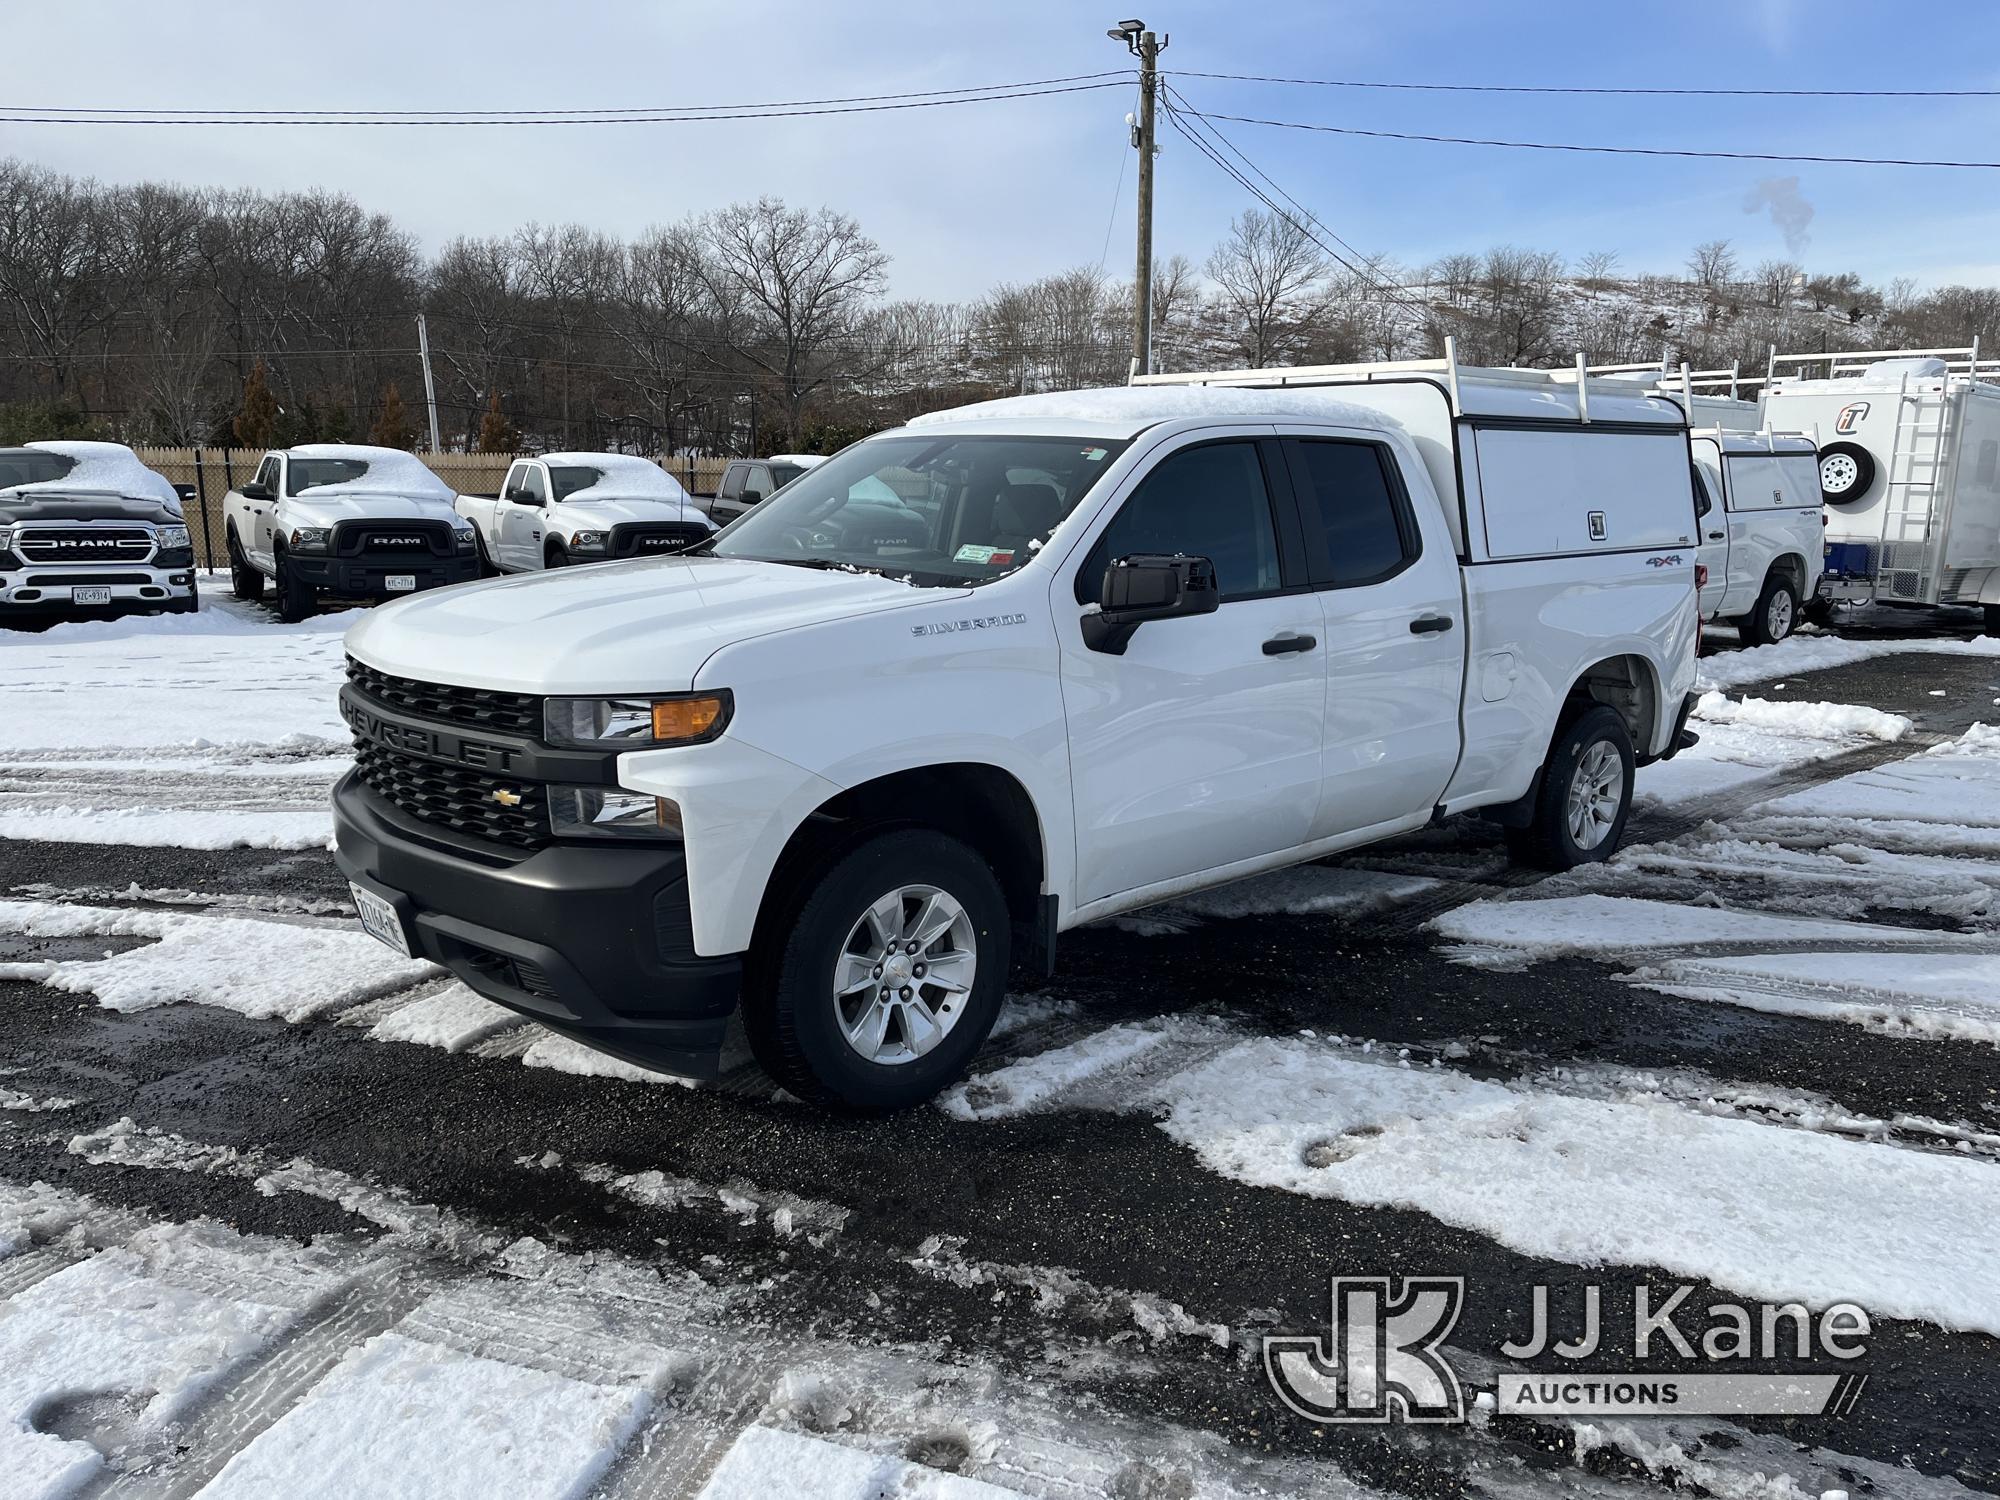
1429,624
1716,536
1283,645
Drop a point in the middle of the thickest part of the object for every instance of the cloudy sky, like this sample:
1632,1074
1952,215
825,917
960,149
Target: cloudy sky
965,197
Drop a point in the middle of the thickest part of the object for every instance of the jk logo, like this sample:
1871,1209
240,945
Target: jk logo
1381,1360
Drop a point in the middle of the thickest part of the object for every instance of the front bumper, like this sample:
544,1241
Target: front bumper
44,590
368,578
593,942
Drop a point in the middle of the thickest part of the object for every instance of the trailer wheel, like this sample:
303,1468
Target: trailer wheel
882,976
1583,795
1776,615
245,582
1845,472
296,598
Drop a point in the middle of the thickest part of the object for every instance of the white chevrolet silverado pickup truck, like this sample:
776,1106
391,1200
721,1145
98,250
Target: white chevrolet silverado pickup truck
565,508
855,758
89,532
1763,529
344,521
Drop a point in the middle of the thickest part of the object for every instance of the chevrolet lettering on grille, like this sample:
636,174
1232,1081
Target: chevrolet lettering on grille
433,743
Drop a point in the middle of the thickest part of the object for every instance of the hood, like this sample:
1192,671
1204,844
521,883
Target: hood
594,510
624,627
44,506
330,504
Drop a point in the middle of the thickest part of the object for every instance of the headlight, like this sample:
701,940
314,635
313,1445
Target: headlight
609,812
635,723
590,541
309,538
463,540
171,538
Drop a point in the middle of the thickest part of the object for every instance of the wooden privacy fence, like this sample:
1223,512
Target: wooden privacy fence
213,472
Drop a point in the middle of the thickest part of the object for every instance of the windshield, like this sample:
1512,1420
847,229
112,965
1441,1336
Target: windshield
784,474
33,468
567,479
310,473
940,511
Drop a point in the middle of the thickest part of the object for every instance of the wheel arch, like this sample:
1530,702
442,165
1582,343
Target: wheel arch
1628,682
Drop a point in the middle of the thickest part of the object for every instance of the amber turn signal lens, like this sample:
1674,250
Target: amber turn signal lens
685,718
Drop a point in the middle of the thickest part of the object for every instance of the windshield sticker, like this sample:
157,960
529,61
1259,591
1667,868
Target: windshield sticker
1094,455
959,627
974,554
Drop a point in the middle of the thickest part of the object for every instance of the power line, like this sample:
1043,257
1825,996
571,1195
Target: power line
605,111
1526,88
1461,140
87,116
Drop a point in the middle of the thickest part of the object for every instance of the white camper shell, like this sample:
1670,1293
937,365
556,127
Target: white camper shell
1711,398
1909,446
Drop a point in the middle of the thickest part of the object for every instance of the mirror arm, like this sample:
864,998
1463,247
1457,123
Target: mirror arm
1107,633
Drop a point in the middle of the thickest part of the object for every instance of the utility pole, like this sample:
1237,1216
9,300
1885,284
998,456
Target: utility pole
430,386
1147,47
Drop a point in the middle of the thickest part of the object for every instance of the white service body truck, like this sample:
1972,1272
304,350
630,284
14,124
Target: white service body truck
1910,471
564,508
1763,528
89,532
849,761
343,521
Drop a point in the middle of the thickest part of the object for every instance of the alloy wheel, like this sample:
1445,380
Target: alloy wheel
1596,793
904,975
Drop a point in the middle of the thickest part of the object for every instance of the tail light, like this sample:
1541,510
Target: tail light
1700,576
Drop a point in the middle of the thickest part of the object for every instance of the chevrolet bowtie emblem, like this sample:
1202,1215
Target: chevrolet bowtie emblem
507,798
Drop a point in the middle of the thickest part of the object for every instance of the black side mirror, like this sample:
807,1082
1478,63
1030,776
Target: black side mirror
521,497
255,491
1148,586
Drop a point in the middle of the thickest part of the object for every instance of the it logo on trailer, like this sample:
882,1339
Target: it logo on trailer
1850,417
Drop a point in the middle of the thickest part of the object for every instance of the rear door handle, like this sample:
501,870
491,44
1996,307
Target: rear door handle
1716,536
1283,645
1429,624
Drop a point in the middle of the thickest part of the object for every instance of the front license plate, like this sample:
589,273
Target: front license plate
379,919
400,583
90,596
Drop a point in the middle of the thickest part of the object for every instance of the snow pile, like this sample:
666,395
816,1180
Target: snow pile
1941,995
401,1416
1819,653
102,466
454,1018
167,827
1565,925
1816,721
1743,741
564,1055
620,476
130,1339
258,968
768,1461
1031,1083
1954,786
1595,1182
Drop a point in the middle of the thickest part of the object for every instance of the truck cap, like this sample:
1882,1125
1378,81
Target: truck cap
1123,411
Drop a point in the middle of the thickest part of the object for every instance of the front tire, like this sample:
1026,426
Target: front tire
296,598
245,582
881,978
486,568
1583,795
558,557
1776,615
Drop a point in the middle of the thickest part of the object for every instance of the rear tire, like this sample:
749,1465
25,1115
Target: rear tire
1583,795
245,582
812,1005
296,598
1776,615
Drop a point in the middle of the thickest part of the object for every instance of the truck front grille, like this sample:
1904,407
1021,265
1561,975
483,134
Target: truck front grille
652,538
392,541
470,708
464,801
83,544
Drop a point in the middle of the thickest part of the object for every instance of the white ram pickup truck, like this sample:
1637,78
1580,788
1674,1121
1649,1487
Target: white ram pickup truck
565,508
855,758
343,521
1763,529
88,532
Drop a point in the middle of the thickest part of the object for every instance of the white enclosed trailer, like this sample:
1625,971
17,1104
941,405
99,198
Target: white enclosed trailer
1909,444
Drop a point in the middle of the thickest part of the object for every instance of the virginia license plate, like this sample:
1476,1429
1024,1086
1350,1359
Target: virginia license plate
379,919
90,596
400,583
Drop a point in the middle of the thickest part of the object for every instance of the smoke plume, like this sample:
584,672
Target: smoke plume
1789,209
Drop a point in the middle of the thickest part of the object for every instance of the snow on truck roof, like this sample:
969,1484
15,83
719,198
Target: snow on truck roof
105,467
624,475
1123,411
389,471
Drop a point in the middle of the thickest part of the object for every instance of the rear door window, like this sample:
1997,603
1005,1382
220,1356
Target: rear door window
1358,525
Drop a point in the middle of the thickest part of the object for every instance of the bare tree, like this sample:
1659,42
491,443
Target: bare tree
1595,269
1777,281
791,286
1712,264
1270,273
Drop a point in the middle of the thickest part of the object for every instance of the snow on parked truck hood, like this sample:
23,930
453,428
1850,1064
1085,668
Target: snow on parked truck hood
620,476
108,467
641,626
391,473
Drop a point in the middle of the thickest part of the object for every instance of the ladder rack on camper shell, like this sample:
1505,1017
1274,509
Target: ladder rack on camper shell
1457,378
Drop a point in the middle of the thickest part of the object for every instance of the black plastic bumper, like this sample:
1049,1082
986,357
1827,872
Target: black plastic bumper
352,578
593,942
